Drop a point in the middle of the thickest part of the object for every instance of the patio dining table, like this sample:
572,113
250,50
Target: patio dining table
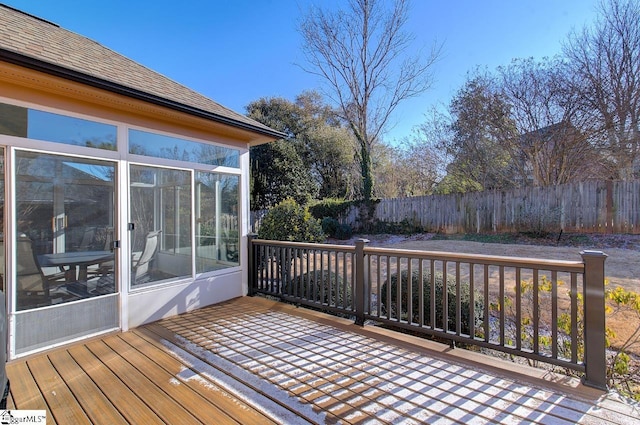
76,259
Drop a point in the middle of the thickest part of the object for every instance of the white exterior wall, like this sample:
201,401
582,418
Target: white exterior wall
158,303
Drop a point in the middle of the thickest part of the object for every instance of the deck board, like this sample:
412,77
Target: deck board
25,391
58,396
167,409
224,403
186,397
88,395
255,362
121,396
166,335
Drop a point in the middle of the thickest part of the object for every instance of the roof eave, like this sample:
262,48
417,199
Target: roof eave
79,77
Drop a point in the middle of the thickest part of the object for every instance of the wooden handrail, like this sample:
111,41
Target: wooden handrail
494,260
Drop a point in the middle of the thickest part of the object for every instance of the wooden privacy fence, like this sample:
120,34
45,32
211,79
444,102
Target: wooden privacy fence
544,310
588,207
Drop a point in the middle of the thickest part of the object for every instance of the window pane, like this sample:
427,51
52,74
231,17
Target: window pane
161,216
71,131
160,146
65,210
217,235
34,124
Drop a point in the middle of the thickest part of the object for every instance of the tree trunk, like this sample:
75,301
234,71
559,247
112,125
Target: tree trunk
367,173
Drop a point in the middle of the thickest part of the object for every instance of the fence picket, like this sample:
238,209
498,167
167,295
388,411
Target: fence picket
586,207
593,206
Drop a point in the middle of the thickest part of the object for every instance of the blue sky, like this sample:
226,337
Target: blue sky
241,50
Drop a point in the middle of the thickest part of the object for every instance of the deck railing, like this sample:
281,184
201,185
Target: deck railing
542,310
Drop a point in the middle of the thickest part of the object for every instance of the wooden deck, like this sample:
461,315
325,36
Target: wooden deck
253,361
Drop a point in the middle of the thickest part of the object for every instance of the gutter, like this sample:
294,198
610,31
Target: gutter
79,77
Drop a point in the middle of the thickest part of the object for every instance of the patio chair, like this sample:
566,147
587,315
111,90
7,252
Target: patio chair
87,239
31,277
141,266
140,269
103,239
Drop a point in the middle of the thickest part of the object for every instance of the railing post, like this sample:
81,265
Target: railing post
361,278
252,270
594,320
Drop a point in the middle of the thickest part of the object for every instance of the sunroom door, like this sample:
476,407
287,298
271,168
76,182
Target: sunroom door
65,280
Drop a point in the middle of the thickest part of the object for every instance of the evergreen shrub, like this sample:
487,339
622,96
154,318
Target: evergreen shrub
322,286
401,311
289,221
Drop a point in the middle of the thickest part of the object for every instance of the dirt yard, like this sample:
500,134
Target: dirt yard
622,267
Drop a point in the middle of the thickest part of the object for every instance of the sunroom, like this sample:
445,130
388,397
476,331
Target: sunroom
125,194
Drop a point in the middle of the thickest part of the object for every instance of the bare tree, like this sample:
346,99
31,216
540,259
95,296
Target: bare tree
422,156
360,53
606,60
410,169
480,125
552,146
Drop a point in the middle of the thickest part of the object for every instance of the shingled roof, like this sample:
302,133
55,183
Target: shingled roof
35,43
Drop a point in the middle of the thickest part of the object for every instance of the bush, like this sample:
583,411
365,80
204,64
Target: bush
426,285
623,370
289,221
334,208
344,232
334,229
405,227
321,286
538,221
330,226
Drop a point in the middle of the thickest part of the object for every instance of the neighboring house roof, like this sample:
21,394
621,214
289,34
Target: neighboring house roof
35,43
550,133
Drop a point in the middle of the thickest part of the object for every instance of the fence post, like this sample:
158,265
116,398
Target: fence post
594,320
361,279
252,270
